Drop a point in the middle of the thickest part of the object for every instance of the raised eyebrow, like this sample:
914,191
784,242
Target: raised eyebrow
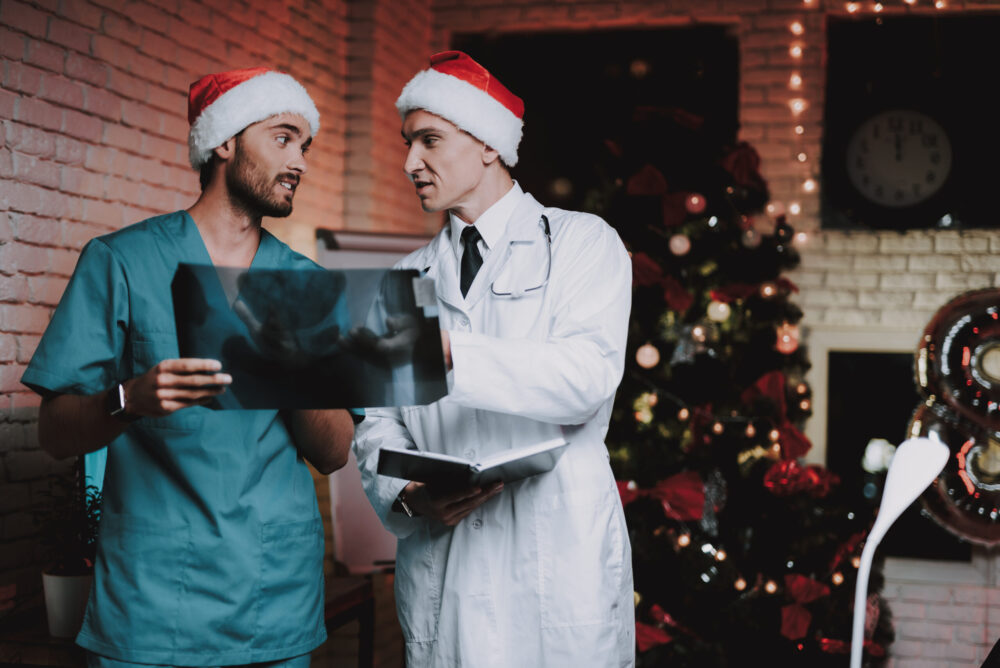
288,126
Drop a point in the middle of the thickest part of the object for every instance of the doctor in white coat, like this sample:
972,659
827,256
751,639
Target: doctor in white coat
534,312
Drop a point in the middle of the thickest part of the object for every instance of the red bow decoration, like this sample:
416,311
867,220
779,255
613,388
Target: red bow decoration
682,495
732,292
648,636
831,646
743,163
795,618
771,385
677,298
647,181
789,477
645,270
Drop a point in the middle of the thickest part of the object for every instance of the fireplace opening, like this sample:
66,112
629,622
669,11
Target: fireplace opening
873,395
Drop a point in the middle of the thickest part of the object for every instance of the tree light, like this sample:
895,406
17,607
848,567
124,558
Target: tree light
837,578
684,540
771,586
774,434
683,414
795,208
740,584
750,431
717,428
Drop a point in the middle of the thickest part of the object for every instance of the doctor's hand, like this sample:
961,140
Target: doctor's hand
175,384
450,508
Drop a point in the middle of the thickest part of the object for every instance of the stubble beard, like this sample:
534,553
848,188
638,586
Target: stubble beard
252,189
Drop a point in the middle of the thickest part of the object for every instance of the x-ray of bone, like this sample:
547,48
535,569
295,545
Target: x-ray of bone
313,338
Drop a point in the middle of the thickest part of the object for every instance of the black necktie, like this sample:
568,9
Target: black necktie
471,258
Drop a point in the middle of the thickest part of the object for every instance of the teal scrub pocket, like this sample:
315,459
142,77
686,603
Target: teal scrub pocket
291,581
140,574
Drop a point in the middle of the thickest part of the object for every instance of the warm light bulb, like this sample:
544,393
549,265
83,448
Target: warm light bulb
853,7
717,428
683,414
768,289
684,540
699,334
774,434
771,586
795,50
801,157
856,562
740,584
940,4
795,81
809,185
796,28
801,388
797,105
910,2
720,555
804,404
795,208
750,431
801,237
878,7
837,578
652,399
799,130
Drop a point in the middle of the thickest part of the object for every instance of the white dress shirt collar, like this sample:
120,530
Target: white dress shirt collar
491,224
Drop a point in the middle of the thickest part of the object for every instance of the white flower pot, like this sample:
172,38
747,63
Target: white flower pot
65,602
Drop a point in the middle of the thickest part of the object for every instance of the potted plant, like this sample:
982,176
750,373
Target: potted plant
69,524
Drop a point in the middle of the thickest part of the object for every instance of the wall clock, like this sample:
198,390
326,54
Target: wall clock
898,159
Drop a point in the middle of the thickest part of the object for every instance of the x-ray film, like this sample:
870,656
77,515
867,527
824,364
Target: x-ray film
313,338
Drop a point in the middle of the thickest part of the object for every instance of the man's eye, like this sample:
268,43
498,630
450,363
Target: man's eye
305,149
282,139
430,141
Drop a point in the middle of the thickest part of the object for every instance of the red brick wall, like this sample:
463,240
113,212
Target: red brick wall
93,136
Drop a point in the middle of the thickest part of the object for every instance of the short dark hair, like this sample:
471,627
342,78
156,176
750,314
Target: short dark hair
205,173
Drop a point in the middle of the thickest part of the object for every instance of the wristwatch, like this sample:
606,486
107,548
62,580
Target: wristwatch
401,506
114,404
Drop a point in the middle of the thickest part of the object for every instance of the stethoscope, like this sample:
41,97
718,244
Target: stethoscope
517,294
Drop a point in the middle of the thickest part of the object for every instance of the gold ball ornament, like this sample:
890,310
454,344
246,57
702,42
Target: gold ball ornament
718,311
647,356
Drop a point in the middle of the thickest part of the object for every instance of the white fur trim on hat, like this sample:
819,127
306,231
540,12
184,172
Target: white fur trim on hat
250,102
468,107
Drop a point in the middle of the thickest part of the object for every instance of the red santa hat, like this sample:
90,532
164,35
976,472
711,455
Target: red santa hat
221,105
460,90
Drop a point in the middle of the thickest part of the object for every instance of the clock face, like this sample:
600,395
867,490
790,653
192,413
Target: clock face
898,158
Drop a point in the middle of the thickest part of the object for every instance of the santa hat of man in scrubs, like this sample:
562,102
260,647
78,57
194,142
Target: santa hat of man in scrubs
221,105
460,90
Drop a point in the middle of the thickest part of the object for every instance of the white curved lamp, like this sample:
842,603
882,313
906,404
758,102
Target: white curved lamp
914,466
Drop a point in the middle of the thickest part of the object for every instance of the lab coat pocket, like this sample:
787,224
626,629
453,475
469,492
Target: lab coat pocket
141,570
417,587
580,558
291,584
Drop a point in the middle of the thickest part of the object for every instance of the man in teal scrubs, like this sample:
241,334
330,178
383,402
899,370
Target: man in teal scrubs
211,545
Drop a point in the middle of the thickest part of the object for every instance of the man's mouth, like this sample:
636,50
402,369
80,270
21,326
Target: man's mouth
420,185
288,183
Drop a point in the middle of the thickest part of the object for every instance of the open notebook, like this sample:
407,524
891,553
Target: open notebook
456,473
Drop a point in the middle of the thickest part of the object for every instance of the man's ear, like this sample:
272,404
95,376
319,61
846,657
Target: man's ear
490,155
226,150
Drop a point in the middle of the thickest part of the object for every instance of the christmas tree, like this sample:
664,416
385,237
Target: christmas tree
741,552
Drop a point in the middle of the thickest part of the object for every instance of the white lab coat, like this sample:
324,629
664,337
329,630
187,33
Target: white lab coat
540,576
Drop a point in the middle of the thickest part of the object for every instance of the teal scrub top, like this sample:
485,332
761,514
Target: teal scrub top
211,543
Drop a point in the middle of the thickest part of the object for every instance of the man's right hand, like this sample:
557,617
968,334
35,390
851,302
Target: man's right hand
175,384
452,508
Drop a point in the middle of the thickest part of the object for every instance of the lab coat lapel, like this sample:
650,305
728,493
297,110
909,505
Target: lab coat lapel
443,268
522,226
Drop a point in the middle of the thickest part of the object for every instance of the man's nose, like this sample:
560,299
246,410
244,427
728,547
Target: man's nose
413,162
298,164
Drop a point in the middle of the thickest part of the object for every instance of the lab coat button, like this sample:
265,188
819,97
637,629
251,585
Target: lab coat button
477,523
463,322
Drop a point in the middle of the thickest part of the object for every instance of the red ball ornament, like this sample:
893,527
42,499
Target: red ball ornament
680,244
788,338
694,203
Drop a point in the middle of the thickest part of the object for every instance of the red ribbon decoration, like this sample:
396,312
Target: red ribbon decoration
847,549
677,298
771,385
648,637
795,618
682,495
789,477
